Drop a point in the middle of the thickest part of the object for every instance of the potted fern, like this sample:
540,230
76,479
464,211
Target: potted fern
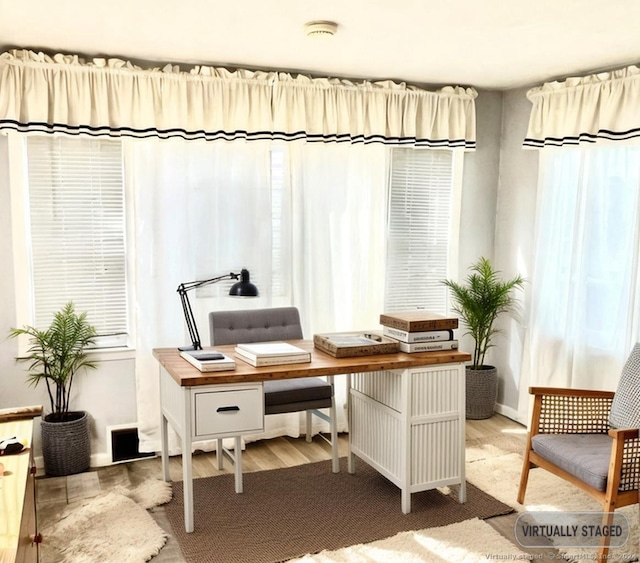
55,356
479,302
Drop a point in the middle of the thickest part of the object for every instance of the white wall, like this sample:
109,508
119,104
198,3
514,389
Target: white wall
513,250
480,190
498,210
480,183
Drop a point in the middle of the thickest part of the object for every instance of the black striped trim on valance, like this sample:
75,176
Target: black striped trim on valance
583,138
60,128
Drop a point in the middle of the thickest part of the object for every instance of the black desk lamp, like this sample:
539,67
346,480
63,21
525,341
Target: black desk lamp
243,288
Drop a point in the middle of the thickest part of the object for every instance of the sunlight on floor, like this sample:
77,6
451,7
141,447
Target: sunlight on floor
522,430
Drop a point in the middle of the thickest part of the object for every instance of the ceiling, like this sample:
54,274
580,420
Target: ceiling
491,44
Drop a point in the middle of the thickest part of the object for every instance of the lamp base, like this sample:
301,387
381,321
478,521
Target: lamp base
189,348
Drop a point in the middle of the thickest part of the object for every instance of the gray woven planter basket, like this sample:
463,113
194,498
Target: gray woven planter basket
482,392
66,446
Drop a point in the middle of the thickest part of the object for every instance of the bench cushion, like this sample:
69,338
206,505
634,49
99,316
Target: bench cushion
585,456
296,394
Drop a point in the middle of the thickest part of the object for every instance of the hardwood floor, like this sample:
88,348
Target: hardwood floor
57,493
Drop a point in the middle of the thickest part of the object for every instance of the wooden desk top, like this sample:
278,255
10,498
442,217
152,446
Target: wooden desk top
184,374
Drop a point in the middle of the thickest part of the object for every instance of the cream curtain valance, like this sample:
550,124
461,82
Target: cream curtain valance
591,109
62,93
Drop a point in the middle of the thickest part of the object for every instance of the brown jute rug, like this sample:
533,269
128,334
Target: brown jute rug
286,513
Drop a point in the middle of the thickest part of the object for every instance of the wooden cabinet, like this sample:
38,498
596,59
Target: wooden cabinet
19,538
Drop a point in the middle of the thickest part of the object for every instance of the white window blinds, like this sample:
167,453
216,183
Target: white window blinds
419,229
77,228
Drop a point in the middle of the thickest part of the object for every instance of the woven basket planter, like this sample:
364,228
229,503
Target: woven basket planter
66,446
482,392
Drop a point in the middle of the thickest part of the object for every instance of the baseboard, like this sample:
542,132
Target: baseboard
101,460
510,413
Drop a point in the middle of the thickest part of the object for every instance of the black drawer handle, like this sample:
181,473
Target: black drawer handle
228,409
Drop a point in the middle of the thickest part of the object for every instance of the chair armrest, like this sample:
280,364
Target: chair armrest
625,454
624,433
566,392
570,411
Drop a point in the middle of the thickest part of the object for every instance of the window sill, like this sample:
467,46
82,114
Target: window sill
112,354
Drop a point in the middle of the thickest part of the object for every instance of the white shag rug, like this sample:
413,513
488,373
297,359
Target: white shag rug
499,476
114,527
466,542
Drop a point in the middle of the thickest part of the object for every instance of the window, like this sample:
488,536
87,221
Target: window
280,229
76,232
422,217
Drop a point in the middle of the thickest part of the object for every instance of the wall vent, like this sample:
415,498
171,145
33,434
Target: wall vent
123,443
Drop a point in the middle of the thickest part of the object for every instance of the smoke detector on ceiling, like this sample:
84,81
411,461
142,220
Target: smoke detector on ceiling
320,29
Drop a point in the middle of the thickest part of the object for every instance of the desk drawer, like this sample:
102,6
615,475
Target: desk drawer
228,412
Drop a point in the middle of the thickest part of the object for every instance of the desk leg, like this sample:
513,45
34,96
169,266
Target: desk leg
462,492
405,500
237,463
164,445
187,465
406,449
351,458
187,483
335,465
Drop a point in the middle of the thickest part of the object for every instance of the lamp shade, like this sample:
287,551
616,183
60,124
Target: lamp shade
244,288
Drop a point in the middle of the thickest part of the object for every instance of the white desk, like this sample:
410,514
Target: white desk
415,400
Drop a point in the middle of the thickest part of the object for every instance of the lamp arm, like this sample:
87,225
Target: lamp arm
188,286
183,288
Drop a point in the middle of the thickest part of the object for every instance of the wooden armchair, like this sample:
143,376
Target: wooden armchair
591,439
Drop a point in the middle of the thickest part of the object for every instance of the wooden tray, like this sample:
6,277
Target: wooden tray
350,344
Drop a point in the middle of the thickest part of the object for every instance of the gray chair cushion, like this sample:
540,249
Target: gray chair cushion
585,456
292,395
254,325
625,409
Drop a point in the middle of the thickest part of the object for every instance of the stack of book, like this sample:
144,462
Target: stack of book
272,354
208,360
420,331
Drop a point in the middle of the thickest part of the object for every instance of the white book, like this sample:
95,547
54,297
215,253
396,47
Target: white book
425,336
208,360
428,346
259,361
265,349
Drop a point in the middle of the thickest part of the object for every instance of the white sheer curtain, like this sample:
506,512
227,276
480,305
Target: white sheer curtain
204,209
585,302
339,203
199,213
585,286
339,206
